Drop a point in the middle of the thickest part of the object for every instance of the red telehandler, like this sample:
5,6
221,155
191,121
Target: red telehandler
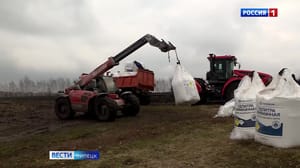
222,79
97,95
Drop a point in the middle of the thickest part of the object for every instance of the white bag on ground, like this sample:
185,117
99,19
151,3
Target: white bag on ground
184,87
226,110
278,115
245,107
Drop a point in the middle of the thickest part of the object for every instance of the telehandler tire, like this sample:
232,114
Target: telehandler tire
63,109
105,109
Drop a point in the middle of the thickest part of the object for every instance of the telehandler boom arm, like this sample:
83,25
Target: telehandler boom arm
112,61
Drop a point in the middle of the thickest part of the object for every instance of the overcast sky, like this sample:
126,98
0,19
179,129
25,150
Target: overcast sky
63,38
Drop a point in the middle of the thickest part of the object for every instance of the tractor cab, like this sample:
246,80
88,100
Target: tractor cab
222,79
221,68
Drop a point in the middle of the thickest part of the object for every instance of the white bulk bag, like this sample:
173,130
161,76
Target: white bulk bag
226,110
245,107
278,115
184,87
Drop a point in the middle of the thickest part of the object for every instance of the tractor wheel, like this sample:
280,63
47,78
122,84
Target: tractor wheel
63,109
105,109
132,105
229,93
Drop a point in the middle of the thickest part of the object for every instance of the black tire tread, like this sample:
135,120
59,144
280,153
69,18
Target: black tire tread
112,105
63,101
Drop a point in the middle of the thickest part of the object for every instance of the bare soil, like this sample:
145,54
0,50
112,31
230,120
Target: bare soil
22,117
160,136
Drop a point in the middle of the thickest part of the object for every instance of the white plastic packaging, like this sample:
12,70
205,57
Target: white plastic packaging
184,87
245,107
278,115
130,67
227,109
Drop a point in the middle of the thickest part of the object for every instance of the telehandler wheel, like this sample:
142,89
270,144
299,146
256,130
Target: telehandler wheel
132,105
105,109
229,93
63,109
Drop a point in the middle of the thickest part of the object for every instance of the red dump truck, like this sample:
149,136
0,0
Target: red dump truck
139,83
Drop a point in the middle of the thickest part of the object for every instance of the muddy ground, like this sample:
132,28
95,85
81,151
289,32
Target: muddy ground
160,136
25,116
21,117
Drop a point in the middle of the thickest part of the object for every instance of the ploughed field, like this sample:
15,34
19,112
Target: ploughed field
160,136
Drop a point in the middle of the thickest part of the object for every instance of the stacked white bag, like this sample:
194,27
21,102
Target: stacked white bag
184,87
228,109
245,107
278,115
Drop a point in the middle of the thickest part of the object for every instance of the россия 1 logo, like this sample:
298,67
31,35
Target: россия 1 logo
259,12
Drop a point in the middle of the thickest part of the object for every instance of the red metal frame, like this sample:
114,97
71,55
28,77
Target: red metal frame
198,86
239,74
230,57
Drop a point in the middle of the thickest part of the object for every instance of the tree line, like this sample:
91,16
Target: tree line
27,86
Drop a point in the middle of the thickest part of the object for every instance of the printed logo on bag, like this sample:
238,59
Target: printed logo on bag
269,121
245,113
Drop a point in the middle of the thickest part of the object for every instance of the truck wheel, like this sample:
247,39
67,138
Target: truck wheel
145,99
63,109
105,109
132,105
229,93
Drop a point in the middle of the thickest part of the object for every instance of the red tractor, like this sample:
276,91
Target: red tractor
97,94
222,79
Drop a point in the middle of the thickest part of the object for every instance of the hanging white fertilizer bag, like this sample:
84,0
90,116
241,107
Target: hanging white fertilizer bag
278,115
245,107
184,87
